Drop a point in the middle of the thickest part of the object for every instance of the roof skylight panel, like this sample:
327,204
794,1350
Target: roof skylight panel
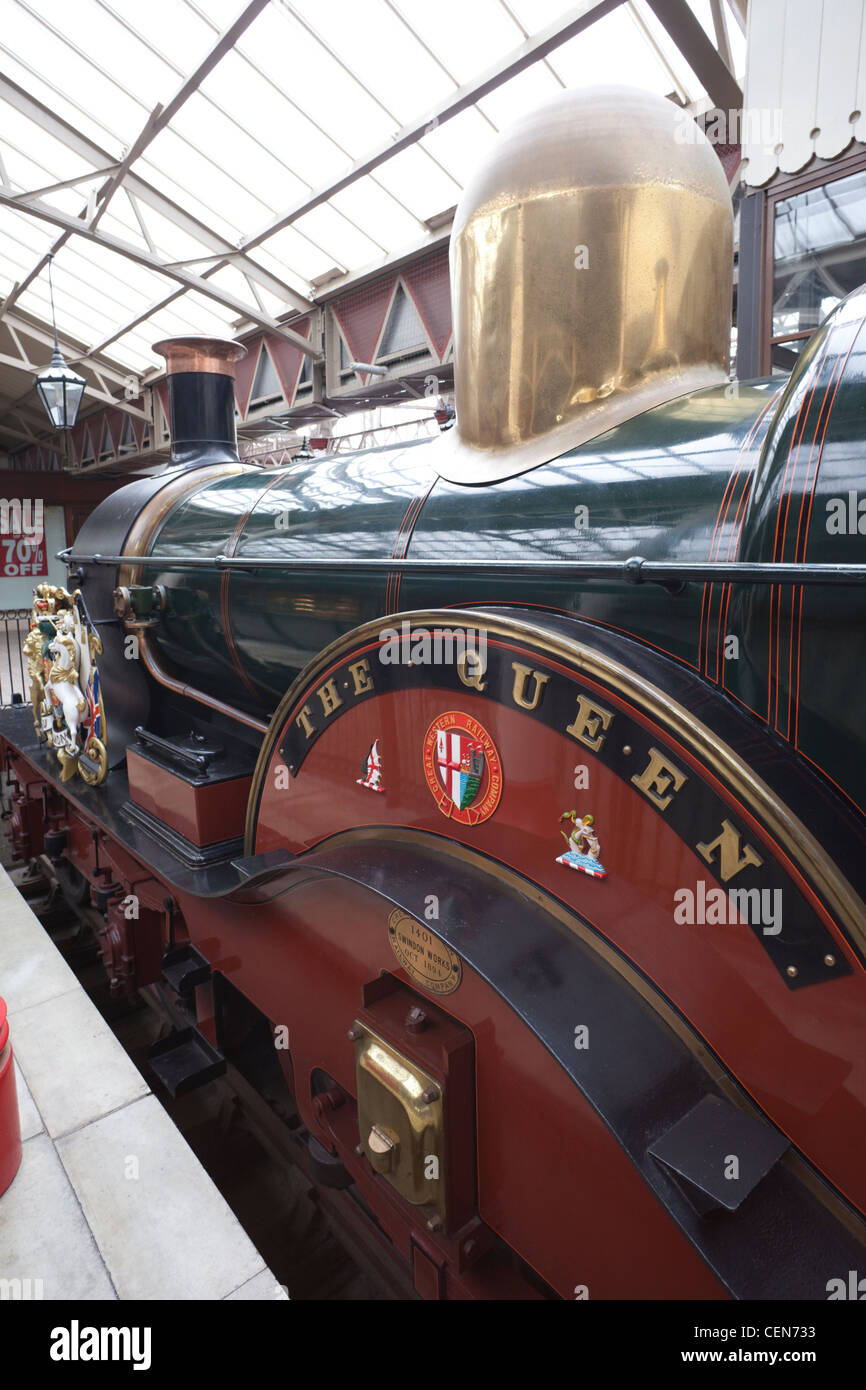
265,105
619,54
184,38
359,36
371,208
419,182
220,13
520,94
206,184
467,37
120,221
306,235
232,281
78,317
461,143
536,15
33,236
8,274
290,248
37,87
337,102
140,339
128,355
176,321
76,293
74,277
174,242
183,315
285,270
222,315
64,64
15,257
122,278
226,143
339,239
33,158
112,45
201,211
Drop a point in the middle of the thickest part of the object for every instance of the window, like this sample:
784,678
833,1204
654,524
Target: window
817,228
346,373
106,448
305,379
266,387
127,438
404,339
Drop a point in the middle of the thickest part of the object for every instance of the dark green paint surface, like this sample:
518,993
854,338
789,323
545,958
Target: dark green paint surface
743,472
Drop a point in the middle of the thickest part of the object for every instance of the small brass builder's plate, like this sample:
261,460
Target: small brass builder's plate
423,954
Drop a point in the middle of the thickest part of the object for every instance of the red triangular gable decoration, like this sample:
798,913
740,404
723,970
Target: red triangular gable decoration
245,375
87,443
287,358
115,428
429,284
162,389
77,441
730,157
361,316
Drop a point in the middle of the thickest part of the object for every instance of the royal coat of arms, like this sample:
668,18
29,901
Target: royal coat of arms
61,649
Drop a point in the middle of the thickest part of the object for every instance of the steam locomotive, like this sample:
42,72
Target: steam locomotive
513,781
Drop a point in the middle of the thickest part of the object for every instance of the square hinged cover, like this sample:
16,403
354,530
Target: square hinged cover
719,1153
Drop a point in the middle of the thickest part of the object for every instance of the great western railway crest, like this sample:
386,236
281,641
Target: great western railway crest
462,768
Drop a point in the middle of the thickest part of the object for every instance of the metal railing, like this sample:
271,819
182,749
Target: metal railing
14,681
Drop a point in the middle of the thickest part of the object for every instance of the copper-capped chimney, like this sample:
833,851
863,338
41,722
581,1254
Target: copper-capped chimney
201,392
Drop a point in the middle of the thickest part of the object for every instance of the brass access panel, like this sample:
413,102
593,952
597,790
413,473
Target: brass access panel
401,1121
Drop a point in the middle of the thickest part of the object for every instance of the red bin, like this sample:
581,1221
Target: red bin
10,1124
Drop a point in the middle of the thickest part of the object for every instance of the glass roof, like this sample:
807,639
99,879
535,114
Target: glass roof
305,91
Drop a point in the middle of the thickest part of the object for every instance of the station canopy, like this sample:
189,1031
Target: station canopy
193,167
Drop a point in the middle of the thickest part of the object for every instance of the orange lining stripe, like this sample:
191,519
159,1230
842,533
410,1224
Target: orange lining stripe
809,394
401,545
707,596
800,548
837,374
733,543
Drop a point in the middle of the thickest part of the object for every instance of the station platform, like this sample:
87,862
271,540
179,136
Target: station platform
110,1202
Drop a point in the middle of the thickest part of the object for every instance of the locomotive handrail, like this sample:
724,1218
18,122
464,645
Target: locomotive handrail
632,571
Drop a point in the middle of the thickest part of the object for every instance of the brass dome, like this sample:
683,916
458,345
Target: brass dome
591,271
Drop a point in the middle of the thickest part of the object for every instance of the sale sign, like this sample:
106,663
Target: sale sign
22,539
22,558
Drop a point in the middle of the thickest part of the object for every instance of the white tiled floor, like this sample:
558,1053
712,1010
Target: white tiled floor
43,1231
51,1041
109,1202
126,1166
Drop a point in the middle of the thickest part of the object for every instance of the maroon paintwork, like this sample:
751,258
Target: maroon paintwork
552,1182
